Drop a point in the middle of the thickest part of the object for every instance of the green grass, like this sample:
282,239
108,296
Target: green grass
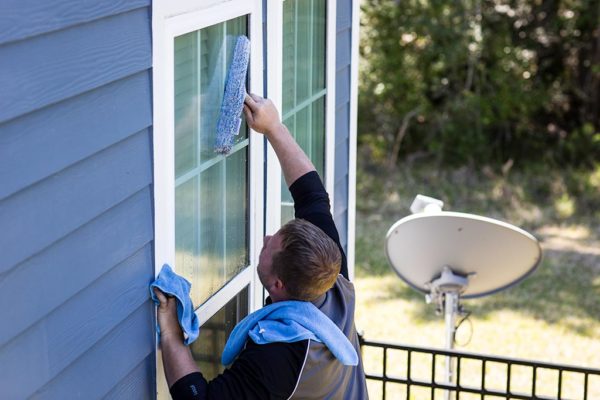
553,315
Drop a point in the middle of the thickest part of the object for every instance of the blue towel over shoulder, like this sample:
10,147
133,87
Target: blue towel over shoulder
174,285
289,321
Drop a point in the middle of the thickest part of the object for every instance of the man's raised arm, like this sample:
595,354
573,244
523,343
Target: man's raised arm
262,116
311,201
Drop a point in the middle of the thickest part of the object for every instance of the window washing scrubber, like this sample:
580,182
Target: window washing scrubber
230,119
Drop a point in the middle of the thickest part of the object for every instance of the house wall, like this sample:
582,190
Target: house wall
75,199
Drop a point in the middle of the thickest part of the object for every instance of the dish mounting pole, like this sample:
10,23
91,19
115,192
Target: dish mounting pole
445,291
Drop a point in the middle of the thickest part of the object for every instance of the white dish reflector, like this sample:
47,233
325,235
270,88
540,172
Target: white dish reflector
493,254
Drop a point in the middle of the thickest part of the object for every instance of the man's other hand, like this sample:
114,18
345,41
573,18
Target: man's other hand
167,317
261,114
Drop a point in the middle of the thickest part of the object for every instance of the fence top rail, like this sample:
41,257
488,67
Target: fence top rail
479,356
457,388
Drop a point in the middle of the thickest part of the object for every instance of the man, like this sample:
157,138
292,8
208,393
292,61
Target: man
302,261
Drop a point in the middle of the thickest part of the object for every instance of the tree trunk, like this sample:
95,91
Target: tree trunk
393,158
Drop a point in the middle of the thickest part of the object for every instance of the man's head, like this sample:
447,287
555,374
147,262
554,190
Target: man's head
299,262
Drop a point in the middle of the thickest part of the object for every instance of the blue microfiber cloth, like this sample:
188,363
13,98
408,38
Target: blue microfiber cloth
229,121
289,321
174,285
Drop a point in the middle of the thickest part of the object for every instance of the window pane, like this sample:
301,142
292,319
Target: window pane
207,349
212,84
210,270
236,204
186,234
289,56
302,132
217,45
287,212
319,40
304,30
304,92
211,194
186,103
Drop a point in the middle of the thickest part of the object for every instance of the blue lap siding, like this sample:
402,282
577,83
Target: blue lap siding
76,199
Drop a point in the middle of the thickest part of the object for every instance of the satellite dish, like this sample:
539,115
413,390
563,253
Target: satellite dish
451,255
492,254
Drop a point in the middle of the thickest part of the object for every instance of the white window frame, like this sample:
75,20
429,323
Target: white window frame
172,18
274,45
353,136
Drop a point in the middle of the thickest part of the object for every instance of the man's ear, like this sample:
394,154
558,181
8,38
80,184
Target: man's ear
278,284
278,290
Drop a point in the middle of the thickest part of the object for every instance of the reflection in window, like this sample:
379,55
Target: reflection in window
304,91
211,190
207,349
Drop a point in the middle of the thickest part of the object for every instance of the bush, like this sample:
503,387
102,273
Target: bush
481,82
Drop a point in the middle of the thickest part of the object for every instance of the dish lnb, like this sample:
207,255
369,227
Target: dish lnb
423,203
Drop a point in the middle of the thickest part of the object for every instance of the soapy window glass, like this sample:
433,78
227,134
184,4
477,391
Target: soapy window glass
211,190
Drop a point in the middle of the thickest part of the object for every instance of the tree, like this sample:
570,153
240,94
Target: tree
481,81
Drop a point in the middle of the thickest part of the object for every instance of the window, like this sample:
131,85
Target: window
211,190
208,207
303,83
301,71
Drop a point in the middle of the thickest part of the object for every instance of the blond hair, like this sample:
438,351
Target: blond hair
309,260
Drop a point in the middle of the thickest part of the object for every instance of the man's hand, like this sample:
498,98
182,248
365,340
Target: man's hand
176,356
261,114
167,317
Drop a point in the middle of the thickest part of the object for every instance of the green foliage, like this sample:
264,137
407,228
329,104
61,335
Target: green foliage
476,81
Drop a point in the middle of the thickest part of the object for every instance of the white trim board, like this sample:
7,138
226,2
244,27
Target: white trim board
330,50
224,295
274,70
352,139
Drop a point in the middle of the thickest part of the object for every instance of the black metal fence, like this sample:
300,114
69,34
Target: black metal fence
410,372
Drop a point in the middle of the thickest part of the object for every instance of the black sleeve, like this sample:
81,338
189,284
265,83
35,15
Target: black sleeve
311,202
268,371
191,387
